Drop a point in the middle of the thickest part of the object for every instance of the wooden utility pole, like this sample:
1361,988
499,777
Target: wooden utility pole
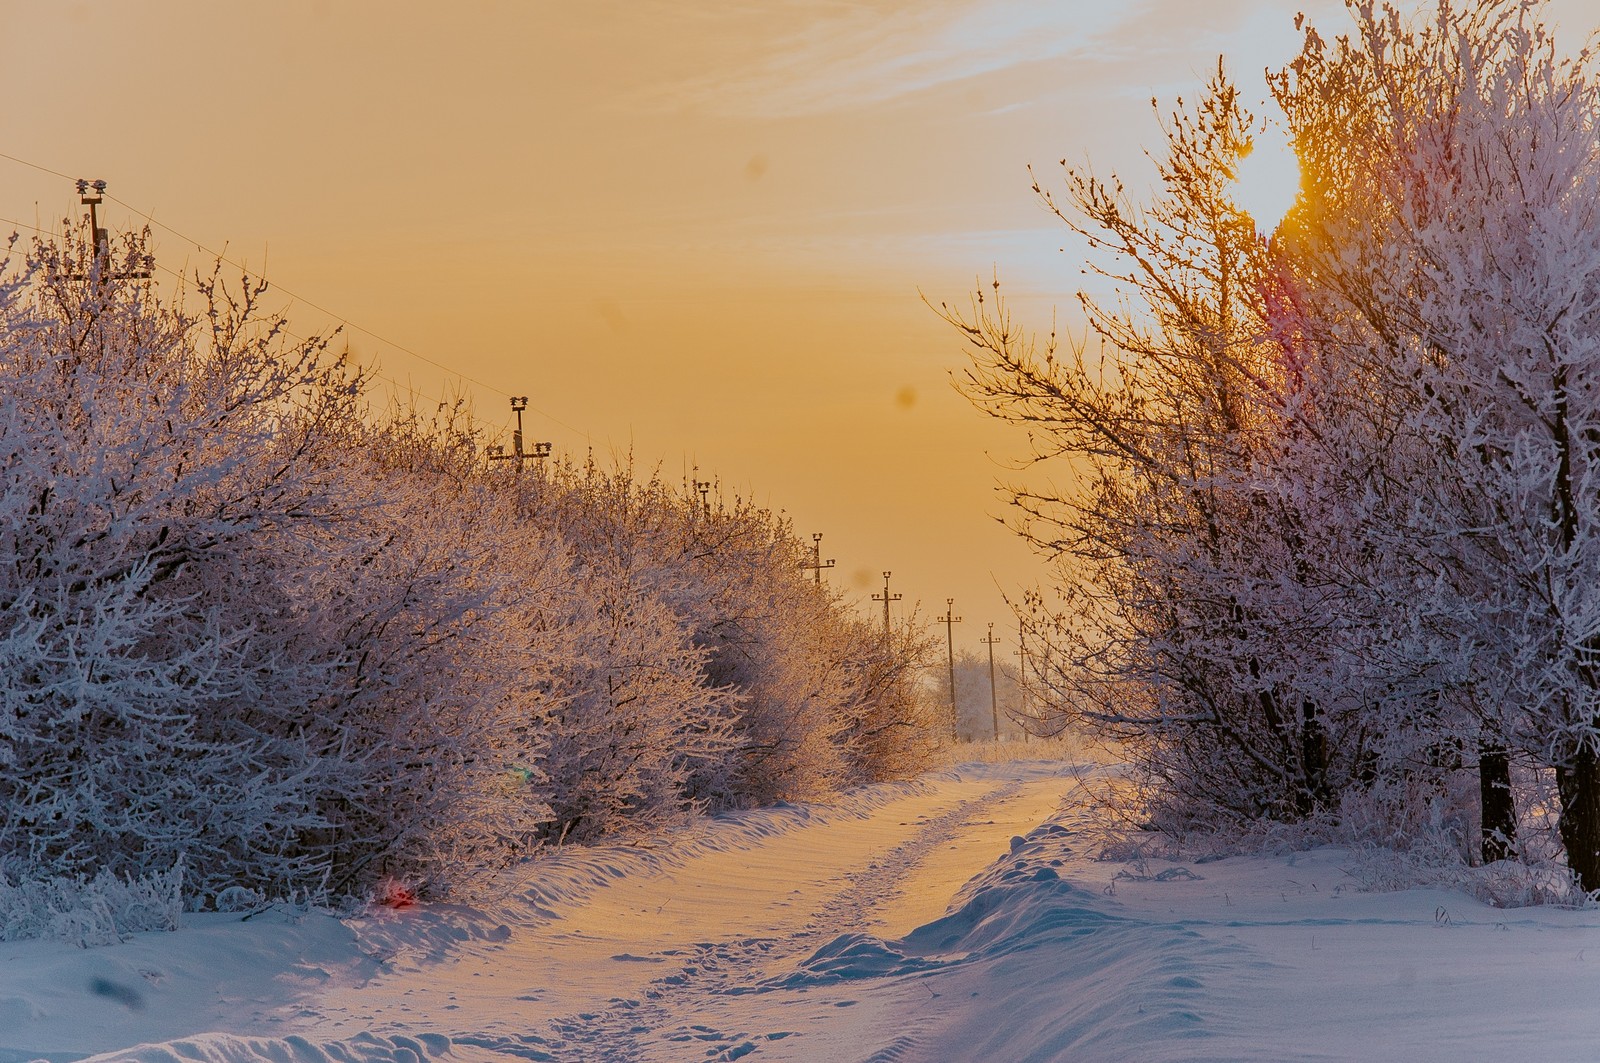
949,620
994,705
886,598
91,194
817,564
540,451
1022,684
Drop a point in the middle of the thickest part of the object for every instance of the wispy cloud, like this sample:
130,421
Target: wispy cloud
846,56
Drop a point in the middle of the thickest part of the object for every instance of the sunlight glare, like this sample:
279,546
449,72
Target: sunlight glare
1267,178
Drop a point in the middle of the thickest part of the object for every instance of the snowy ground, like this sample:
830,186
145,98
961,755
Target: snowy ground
960,917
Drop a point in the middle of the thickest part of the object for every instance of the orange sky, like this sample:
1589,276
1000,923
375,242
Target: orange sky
698,229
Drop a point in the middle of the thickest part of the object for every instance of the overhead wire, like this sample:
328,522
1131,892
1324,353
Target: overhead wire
414,392
36,166
344,321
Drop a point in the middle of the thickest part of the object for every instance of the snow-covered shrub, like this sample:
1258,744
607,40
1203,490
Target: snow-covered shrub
634,722
87,912
149,704
249,625
432,692
235,623
812,699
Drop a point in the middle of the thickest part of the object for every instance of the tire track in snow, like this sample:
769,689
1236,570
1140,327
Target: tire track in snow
629,1028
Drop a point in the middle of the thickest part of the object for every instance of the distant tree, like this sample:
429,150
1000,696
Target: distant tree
976,712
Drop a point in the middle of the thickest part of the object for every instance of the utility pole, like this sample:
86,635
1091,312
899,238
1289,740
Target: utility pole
817,564
886,598
704,487
1022,683
949,620
994,707
99,239
540,451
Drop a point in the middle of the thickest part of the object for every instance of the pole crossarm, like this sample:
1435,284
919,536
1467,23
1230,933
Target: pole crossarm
949,620
519,455
816,565
994,703
886,598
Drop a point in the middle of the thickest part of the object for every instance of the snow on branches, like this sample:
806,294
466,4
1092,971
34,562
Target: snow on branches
1335,526
251,628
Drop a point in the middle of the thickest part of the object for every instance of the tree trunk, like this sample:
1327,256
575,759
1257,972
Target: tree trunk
1499,830
1579,784
1314,756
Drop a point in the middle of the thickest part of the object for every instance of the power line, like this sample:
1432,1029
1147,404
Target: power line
344,321
36,166
413,392
352,325
25,225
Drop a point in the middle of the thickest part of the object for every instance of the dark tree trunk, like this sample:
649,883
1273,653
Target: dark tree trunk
1579,784
1494,796
1314,756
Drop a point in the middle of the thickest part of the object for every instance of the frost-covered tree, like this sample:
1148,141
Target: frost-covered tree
1200,618
254,628
1333,529
1465,278
149,692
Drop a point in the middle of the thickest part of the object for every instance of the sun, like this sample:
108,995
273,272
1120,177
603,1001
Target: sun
1267,178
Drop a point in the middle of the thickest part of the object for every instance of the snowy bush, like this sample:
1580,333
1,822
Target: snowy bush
795,696
150,698
301,647
88,912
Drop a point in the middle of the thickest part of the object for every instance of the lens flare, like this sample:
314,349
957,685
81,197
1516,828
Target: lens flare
1267,178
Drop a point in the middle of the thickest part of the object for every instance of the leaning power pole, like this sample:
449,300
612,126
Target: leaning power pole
539,452
817,564
949,620
994,705
886,598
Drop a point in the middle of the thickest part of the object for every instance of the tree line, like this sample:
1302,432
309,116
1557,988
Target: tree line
255,628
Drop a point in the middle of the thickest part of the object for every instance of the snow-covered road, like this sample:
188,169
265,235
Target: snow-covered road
654,958
965,916
670,951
